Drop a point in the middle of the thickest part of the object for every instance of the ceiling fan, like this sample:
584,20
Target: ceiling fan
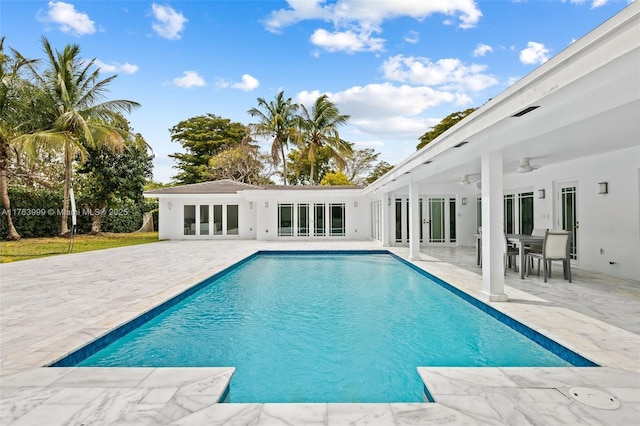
466,179
525,166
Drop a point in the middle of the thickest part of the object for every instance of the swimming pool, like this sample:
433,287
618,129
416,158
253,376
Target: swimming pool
323,327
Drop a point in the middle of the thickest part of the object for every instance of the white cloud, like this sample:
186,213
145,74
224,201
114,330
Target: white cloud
168,23
115,67
482,49
413,37
376,12
355,21
347,41
393,127
594,3
368,144
448,73
189,79
248,83
69,20
535,53
384,109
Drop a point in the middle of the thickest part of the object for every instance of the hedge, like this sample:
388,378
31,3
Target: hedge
36,213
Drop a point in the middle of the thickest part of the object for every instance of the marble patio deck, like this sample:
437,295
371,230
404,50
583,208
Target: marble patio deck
52,306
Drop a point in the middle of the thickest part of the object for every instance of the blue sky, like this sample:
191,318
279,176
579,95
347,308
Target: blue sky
396,66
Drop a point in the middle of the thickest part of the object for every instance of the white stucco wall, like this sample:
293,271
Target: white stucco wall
258,212
357,218
171,216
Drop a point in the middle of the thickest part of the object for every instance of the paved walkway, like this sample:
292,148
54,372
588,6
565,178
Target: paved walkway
51,306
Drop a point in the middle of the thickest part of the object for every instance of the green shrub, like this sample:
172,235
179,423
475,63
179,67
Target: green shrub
34,212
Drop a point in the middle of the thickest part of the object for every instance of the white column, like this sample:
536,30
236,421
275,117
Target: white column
492,226
414,225
384,217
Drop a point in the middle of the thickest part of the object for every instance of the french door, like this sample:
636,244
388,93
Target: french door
437,219
567,216
205,220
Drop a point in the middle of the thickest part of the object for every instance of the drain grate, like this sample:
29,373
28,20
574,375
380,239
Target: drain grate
594,398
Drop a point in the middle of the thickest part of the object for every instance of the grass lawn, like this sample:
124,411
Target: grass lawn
31,248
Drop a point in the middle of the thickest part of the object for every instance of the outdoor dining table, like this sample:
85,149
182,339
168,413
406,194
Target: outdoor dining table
521,240
518,239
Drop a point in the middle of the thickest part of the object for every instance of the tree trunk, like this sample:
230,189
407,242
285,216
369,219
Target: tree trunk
96,222
64,225
284,165
311,178
12,234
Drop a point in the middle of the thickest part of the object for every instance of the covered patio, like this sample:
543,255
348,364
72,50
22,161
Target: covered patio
560,149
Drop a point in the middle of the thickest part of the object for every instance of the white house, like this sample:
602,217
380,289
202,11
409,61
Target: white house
558,149
225,210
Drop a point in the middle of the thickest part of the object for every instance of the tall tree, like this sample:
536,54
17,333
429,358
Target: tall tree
12,112
359,165
202,137
379,170
319,128
108,177
242,163
444,125
75,111
299,167
276,119
335,178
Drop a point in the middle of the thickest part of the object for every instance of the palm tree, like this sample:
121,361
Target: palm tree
76,112
12,96
320,128
276,119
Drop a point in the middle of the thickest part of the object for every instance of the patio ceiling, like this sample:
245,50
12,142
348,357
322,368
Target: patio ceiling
589,103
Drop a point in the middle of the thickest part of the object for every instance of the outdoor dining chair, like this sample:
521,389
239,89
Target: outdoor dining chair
555,247
510,253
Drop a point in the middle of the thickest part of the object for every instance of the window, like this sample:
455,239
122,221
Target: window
437,220
190,220
285,220
452,220
303,220
509,214
420,219
204,219
232,219
337,219
217,219
398,220
318,218
478,213
525,203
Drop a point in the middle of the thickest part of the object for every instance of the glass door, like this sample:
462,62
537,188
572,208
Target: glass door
436,214
568,214
204,220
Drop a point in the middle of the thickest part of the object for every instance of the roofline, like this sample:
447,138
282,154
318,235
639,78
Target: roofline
451,137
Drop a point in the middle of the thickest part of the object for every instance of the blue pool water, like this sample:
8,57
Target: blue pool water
323,328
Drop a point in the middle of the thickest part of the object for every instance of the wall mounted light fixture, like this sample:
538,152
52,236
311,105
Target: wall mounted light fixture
250,204
388,201
266,204
355,204
463,201
603,187
541,193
